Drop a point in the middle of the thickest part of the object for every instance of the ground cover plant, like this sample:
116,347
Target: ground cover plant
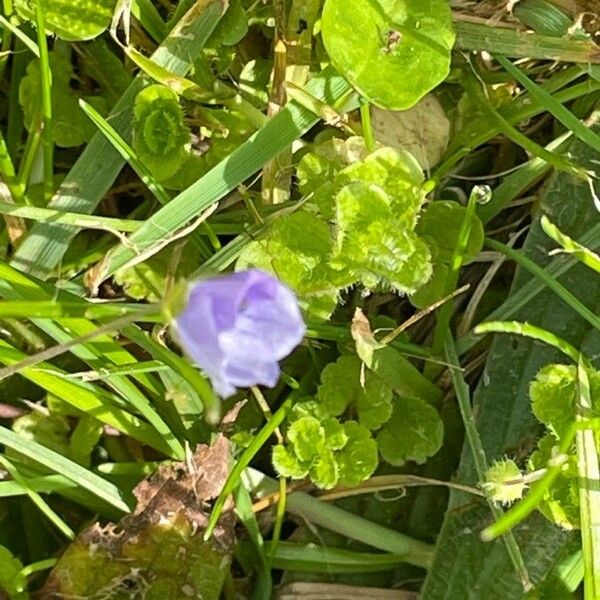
299,298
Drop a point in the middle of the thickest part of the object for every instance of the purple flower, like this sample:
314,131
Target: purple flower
238,326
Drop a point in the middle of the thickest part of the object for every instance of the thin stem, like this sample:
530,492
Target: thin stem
479,458
548,281
59,349
589,495
367,124
279,516
531,331
46,79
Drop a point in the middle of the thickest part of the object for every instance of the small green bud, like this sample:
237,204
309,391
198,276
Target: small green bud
504,482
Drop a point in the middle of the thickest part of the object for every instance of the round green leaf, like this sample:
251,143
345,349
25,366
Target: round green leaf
357,460
414,433
71,20
392,51
307,438
286,463
324,472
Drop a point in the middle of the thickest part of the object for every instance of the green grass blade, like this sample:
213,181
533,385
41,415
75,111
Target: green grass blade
463,397
102,351
348,524
530,331
521,180
523,44
233,479
522,296
580,252
46,92
59,464
291,556
87,399
562,114
126,152
99,164
589,493
285,127
49,215
547,280
37,499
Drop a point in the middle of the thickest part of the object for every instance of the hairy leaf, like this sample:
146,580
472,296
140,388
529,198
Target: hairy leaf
358,458
296,249
560,503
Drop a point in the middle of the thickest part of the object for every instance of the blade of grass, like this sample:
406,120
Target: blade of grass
562,114
530,331
523,44
45,484
580,252
589,492
37,499
520,297
548,281
444,314
518,182
289,124
514,112
49,215
46,92
25,39
479,459
145,12
59,464
473,88
99,164
18,286
292,556
126,152
348,524
233,479
207,398
88,399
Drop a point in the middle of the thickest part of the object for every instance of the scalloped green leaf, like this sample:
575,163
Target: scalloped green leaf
317,169
335,434
71,20
358,459
325,472
287,464
415,432
392,51
341,387
398,173
553,395
159,132
373,245
307,438
70,125
560,503
296,249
